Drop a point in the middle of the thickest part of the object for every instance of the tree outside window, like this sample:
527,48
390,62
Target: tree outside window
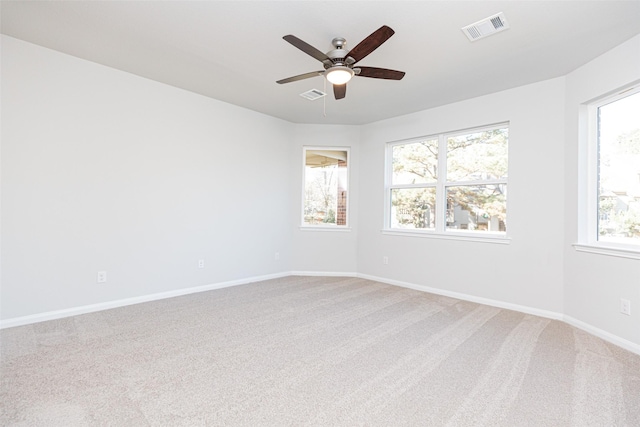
618,165
325,187
454,181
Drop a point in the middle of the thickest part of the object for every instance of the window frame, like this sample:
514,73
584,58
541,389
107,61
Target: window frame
325,226
440,231
588,235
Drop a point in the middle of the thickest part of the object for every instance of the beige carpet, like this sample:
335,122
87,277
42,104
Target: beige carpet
310,351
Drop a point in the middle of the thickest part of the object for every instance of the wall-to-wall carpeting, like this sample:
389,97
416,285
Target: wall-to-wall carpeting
314,351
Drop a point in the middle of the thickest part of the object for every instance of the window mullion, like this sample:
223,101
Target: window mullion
426,185
389,185
441,196
476,182
592,176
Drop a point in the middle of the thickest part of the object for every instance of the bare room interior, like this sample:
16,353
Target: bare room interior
201,224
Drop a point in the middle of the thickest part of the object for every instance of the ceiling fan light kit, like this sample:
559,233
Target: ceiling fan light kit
339,74
339,62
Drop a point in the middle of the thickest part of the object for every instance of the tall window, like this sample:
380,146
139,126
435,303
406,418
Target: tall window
326,174
449,183
615,185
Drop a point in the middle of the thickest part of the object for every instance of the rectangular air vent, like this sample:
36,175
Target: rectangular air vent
313,94
486,27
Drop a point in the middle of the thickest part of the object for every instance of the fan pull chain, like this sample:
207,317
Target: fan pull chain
324,98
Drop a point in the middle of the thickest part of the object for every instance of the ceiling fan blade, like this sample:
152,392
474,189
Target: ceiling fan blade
307,48
380,73
371,43
301,77
340,91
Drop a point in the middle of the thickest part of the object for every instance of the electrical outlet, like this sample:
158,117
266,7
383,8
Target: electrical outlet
625,306
385,260
277,256
200,263
102,277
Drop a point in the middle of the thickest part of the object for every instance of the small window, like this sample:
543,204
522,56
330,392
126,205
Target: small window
614,184
449,183
326,175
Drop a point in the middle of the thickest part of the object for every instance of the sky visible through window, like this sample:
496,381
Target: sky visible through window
621,116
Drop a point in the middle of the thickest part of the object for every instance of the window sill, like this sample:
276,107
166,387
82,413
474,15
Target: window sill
331,228
608,250
452,235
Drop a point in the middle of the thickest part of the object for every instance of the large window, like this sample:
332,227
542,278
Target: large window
326,173
449,183
614,178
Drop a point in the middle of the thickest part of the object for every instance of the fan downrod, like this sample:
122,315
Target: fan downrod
339,42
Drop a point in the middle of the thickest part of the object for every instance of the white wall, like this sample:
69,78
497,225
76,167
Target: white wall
528,271
104,170
325,251
595,283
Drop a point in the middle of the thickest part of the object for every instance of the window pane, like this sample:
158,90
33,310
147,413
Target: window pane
477,207
478,155
619,171
415,163
413,207
325,187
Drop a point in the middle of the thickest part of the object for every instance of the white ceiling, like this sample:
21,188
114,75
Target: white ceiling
233,50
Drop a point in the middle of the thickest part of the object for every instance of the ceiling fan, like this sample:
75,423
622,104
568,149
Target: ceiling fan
339,63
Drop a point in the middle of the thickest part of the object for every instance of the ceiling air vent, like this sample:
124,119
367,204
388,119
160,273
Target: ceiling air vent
486,27
313,94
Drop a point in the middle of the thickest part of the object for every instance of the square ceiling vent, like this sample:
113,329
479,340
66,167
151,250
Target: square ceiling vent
313,94
486,27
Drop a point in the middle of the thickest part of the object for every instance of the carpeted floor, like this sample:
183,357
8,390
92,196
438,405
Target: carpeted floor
312,351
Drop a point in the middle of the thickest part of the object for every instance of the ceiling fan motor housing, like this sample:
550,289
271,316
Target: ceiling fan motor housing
338,55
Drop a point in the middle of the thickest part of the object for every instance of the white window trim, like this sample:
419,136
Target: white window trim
440,231
588,205
329,227
601,249
326,227
460,235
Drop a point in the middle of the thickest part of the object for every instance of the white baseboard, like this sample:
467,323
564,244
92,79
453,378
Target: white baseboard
74,311
324,273
614,339
58,314
466,297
